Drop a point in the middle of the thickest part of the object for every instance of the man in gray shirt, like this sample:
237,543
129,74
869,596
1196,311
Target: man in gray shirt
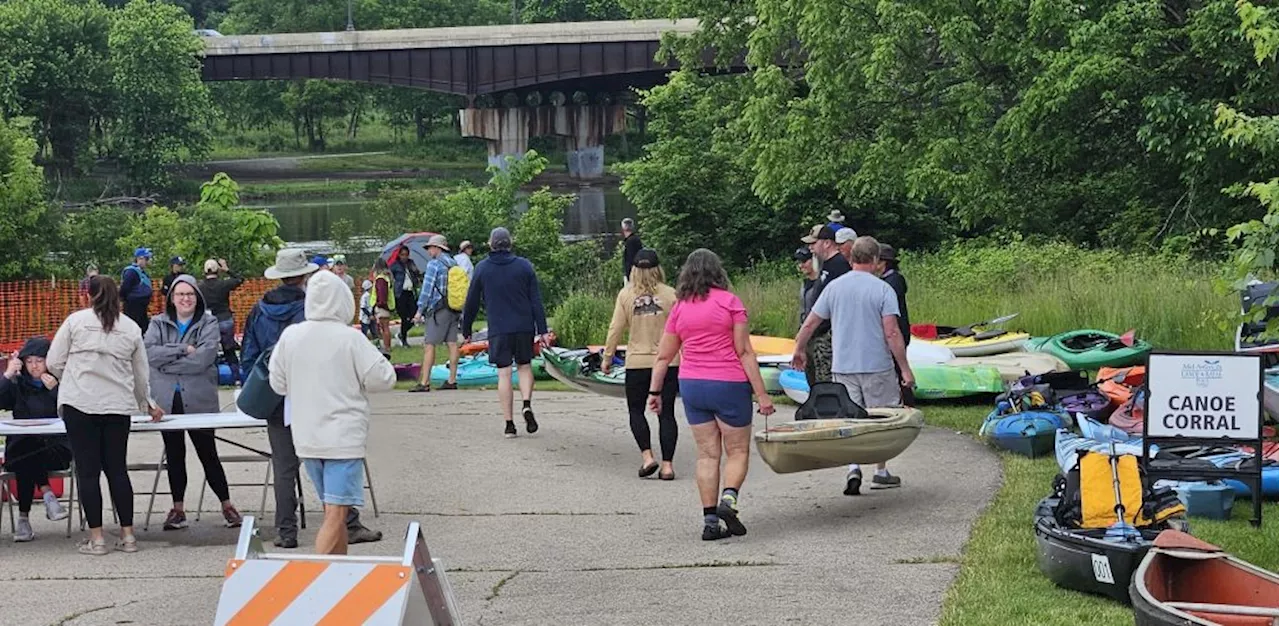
865,343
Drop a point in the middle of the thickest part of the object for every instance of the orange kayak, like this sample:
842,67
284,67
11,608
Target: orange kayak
480,343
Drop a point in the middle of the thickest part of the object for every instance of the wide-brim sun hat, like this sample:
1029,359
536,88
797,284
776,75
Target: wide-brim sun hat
438,241
290,262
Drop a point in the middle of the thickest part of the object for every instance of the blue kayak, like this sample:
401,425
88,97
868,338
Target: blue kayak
794,384
1029,433
475,371
1270,484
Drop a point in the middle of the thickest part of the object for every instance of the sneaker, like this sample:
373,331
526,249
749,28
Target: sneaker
233,517
175,520
853,483
530,424
448,386
420,388
24,532
127,544
511,430
93,548
887,481
712,533
360,534
287,542
727,510
54,509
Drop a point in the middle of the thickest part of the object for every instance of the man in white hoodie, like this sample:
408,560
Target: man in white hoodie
328,407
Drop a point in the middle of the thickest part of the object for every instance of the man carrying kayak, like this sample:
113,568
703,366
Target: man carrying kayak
867,343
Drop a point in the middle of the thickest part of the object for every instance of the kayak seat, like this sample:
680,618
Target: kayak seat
829,400
989,334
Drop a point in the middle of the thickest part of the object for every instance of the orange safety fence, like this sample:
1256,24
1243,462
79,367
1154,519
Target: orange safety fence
38,307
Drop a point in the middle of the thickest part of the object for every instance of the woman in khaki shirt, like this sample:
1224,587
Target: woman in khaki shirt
643,306
101,363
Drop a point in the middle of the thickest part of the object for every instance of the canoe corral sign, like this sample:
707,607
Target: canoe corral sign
1205,398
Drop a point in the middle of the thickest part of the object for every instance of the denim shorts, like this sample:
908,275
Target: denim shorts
338,481
706,400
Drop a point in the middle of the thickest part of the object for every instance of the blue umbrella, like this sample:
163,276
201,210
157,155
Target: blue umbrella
417,245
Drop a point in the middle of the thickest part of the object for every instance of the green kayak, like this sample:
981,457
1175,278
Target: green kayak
1092,349
935,382
577,369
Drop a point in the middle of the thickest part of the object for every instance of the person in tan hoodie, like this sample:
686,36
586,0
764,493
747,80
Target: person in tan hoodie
328,407
643,306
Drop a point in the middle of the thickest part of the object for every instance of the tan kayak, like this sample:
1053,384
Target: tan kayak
1015,365
805,445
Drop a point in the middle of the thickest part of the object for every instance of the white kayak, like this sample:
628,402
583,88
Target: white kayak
1014,365
923,353
804,445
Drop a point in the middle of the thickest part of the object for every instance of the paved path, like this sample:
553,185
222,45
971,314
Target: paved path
555,528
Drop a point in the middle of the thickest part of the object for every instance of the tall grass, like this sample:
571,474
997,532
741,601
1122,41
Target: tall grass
1171,301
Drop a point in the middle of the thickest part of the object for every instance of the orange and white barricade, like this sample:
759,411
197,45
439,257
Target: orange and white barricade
264,588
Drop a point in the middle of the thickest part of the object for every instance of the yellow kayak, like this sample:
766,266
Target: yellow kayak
978,339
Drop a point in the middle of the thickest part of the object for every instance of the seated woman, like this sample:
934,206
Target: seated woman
30,391
182,347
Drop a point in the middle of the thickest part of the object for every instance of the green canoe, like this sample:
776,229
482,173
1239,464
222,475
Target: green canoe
1088,349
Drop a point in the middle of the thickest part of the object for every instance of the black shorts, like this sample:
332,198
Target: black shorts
503,349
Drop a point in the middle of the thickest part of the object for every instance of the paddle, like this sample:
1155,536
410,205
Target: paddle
1121,530
965,331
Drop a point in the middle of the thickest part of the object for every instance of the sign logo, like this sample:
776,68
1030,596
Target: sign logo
1202,372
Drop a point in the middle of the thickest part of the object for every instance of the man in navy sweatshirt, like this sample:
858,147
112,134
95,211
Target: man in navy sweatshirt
508,288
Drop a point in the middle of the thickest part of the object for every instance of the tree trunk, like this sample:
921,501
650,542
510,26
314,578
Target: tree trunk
420,123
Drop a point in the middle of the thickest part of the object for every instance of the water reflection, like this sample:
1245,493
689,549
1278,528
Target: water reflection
595,212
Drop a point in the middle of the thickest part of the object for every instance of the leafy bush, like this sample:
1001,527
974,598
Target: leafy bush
583,319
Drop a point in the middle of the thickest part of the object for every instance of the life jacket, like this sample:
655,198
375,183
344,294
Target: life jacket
390,304
1087,494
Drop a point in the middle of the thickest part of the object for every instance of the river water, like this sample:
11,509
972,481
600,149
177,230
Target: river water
307,222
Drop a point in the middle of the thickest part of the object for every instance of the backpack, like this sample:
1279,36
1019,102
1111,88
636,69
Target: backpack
1087,494
829,400
257,398
458,284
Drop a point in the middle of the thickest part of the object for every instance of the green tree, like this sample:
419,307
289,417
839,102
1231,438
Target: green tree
161,106
24,215
217,227
1257,240
54,68
93,236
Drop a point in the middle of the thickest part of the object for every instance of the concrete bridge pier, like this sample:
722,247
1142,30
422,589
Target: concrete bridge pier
583,128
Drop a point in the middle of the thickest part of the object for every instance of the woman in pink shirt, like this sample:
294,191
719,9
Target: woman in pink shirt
718,374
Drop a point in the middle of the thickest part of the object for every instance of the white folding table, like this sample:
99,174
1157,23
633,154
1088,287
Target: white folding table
180,422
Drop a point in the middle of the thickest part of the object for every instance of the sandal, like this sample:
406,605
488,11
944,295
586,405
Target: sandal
127,544
93,548
671,476
647,470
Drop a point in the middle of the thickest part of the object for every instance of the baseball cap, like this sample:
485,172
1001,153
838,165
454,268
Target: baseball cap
366,285
142,252
887,253
210,266
802,254
464,245
177,260
819,232
646,258
845,234
338,259
320,260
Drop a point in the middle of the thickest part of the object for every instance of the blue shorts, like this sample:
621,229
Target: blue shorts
338,481
706,400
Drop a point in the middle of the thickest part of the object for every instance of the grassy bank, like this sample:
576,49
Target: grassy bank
313,187
999,582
